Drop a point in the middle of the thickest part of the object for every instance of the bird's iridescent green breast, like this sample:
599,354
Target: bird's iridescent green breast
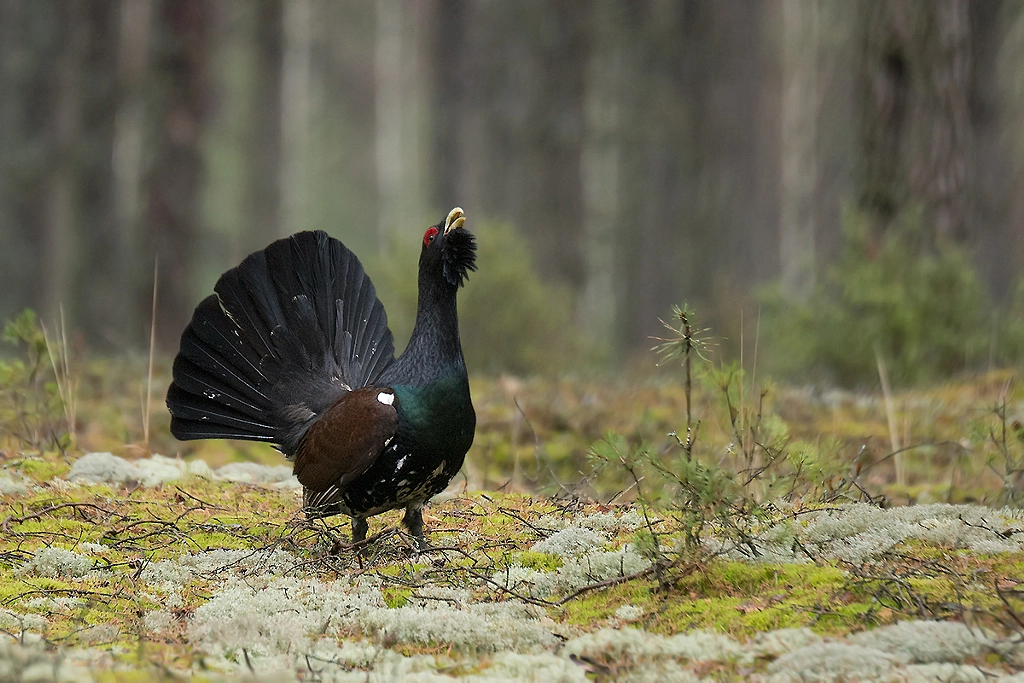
438,417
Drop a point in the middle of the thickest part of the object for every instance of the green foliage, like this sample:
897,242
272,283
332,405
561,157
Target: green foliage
24,329
30,402
1009,344
721,503
925,312
1000,438
509,318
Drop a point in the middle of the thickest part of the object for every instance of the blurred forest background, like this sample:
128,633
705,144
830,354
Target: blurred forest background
832,181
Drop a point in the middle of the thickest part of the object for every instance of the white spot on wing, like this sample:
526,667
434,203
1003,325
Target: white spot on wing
386,397
401,461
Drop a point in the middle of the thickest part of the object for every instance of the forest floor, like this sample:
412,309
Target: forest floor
116,564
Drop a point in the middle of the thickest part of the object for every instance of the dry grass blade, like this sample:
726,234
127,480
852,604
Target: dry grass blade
149,375
61,363
890,413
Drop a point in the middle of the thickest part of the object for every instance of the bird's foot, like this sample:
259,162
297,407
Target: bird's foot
359,529
413,521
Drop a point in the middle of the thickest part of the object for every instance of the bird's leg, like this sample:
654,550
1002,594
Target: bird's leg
413,521
359,529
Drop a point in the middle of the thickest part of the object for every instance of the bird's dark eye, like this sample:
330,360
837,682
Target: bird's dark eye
429,236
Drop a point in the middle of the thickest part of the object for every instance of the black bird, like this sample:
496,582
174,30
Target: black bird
294,349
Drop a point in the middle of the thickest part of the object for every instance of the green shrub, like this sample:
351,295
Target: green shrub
924,311
509,318
30,402
713,502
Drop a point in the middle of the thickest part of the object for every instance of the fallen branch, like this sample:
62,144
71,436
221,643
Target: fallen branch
53,508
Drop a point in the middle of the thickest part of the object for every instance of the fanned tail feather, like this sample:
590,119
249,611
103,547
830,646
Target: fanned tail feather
288,332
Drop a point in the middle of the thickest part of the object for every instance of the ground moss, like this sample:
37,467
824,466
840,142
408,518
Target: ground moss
600,607
141,676
542,562
735,598
396,597
482,532
14,590
42,469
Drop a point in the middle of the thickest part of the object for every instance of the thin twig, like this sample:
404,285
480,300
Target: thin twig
53,508
198,500
152,349
890,415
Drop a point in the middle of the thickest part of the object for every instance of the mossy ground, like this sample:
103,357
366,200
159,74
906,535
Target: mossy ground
532,443
475,533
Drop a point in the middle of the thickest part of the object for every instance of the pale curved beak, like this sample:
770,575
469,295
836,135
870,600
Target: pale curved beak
456,219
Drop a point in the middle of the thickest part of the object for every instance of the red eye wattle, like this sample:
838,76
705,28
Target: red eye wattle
429,236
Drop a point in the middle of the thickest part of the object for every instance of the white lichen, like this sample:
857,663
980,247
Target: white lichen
265,622
859,532
107,468
10,486
156,621
830,662
93,547
571,542
55,604
925,642
57,562
219,561
166,573
29,661
13,622
631,644
574,574
780,641
487,627
530,668
597,566
159,469
932,673
286,614
100,633
628,613
103,468
279,476
631,520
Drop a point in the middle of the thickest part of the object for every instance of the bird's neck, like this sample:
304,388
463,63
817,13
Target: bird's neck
434,348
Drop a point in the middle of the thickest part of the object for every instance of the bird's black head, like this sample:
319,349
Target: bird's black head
449,250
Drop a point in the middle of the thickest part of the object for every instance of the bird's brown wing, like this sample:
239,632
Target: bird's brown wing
346,440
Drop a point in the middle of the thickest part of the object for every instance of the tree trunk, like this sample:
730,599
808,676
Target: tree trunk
915,133
997,119
24,71
132,67
295,114
64,123
943,173
388,134
98,288
1010,244
798,147
600,162
175,181
553,212
264,182
885,73
450,107
397,138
